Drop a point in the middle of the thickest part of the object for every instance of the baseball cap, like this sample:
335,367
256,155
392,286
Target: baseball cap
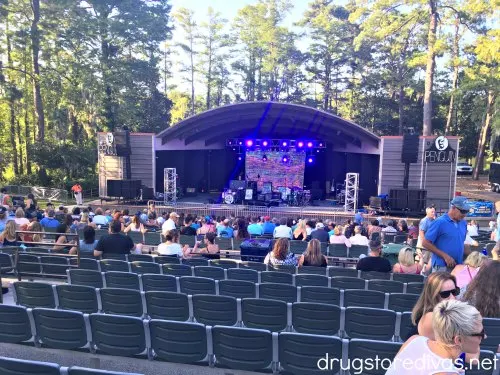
320,225
375,244
461,202
174,214
267,218
2,210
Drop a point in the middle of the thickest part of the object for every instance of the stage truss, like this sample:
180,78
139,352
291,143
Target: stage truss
170,185
351,192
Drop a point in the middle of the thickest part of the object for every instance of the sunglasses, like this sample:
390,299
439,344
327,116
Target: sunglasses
463,212
481,334
446,293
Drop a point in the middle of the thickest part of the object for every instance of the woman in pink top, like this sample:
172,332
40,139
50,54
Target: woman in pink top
406,262
464,273
338,237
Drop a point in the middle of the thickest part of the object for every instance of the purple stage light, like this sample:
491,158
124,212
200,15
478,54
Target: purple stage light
310,160
240,143
309,144
284,159
284,143
321,145
249,143
264,143
240,158
300,144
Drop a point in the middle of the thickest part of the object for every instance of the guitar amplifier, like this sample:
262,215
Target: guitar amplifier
255,250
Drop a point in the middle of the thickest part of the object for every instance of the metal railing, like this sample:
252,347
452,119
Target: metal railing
55,195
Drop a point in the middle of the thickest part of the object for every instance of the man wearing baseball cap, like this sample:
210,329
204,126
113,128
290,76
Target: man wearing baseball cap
446,236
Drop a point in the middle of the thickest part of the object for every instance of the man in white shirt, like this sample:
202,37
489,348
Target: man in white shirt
358,238
170,224
99,218
282,230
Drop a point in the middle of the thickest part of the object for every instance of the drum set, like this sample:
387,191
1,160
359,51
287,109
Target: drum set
298,197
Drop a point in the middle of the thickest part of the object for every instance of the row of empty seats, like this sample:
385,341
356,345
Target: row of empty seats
166,281
12,366
235,347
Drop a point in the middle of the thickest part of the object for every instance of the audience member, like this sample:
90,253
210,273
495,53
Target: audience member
20,218
358,238
438,287
358,217
225,231
390,228
170,224
464,273
126,217
61,240
135,225
210,250
8,237
30,237
313,256
413,231
406,262
5,199
402,227
300,232
88,244
151,223
472,228
425,255
30,204
114,242
241,232
309,228
484,290
207,226
339,238
99,218
49,221
445,237
162,218
187,229
374,227
281,255
268,226
3,218
171,246
320,233
282,230
457,329
254,228
374,260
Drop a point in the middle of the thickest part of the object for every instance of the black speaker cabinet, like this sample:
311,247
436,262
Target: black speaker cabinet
126,189
409,151
417,200
398,199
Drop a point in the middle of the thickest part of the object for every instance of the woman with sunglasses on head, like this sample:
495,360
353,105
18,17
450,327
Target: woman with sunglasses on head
458,329
438,287
406,262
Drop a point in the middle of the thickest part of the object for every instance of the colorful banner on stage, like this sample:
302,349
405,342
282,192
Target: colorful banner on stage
481,209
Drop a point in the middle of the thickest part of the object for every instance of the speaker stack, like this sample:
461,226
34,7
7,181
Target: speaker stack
126,189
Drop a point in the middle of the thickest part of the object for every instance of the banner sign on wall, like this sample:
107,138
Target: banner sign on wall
439,150
481,209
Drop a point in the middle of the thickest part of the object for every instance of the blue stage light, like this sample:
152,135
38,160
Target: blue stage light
285,159
249,143
309,144
265,143
300,144
310,159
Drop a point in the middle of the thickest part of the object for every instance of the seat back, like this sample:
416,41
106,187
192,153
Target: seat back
369,323
237,288
356,250
136,237
167,305
311,280
114,265
180,342
276,277
196,285
312,270
492,329
337,250
224,243
407,278
215,273
264,314
193,262
145,267
75,370
401,302
320,294
123,280
346,282
374,275
118,335
243,274
164,259
341,271
15,324
60,329
121,301
280,292
139,258
364,298
257,266
33,294
386,286
11,366
115,256
298,247
28,264
224,263
316,318
400,238
177,269
406,327
232,344
283,268
152,238
78,298
85,277
365,349
88,264
309,347
187,240
215,310
151,282
414,288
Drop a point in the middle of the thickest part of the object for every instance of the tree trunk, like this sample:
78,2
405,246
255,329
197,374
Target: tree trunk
20,143
35,47
401,108
209,74
12,111
430,68
454,84
27,138
485,127
192,75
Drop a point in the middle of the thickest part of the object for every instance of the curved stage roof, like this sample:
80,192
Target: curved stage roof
268,120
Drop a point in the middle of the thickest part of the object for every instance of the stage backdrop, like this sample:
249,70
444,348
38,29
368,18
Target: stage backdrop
274,169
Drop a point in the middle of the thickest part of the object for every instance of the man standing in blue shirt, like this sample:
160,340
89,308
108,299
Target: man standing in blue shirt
446,235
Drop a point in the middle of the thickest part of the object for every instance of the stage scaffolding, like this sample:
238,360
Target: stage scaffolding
170,185
351,192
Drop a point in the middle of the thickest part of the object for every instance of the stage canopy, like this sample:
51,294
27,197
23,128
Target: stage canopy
272,120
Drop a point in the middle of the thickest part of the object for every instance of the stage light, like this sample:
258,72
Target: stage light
249,143
309,144
240,143
310,159
264,158
285,159
300,144
265,143
284,143
321,145
240,157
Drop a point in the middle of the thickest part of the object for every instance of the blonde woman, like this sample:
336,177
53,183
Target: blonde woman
439,286
300,232
338,237
20,218
406,262
464,273
458,329
8,237
313,256
29,237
